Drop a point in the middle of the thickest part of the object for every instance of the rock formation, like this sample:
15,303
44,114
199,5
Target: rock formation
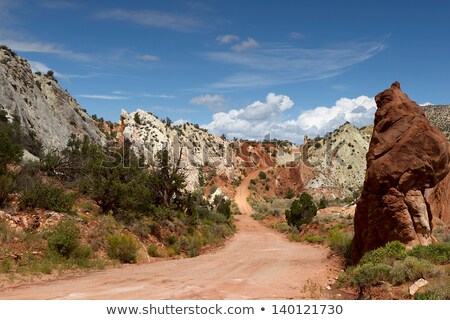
407,157
41,105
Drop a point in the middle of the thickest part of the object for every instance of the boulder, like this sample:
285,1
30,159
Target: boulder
406,161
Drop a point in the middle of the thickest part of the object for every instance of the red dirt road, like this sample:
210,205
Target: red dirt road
257,263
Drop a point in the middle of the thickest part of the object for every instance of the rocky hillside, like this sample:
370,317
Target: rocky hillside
439,116
43,108
332,166
337,160
148,135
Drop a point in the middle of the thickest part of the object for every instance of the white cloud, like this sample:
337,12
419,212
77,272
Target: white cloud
161,96
214,102
261,118
278,64
38,67
296,35
101,97
358,111
42,47
180,122
253,121
153,18
425,104
245,45
148,57
227,38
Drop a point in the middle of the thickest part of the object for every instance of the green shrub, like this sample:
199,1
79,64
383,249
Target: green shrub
262,175
258,216
392,250
65,239
6,187
302,211
340,242
153,251
294,237
370,273
436,253
437,291
315,238
289,193
412,269
428,295
44,196
123,248
10,134
323,203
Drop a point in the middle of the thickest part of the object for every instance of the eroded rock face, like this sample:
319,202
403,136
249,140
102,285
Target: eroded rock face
407,158
42,106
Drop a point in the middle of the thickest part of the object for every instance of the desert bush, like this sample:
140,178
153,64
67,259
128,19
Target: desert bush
315,238
437,290
392,250
65,239
262,175
370,273
289,193
258,216
294,237
10,134
340,242
435,253
41,195
411,269
153,251
123,248
6,186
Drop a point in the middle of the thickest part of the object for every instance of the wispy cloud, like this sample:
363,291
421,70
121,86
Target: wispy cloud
152,18
41,47
245,45
148,57
296,35
37,66
280,64
214,102
227,38
54,4
101,97
161,96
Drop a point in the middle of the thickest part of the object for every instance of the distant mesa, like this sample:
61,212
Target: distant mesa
407,177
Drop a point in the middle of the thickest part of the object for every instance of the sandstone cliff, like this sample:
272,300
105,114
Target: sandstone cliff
41,105
148,135
407,157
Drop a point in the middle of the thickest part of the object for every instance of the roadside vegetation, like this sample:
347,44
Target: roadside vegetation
89,207
384,273
395,267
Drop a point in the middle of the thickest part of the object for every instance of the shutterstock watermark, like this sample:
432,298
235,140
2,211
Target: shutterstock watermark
244,153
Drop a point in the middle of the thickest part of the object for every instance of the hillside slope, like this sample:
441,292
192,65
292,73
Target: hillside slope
42,106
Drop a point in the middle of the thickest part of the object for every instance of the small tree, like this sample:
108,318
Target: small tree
262,175
302,210
10,151
323,203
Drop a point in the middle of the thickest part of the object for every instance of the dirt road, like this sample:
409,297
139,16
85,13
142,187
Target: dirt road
257,263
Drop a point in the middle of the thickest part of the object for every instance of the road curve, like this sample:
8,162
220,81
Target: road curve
257,263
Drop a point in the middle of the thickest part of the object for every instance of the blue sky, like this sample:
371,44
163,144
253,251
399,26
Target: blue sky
238,67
